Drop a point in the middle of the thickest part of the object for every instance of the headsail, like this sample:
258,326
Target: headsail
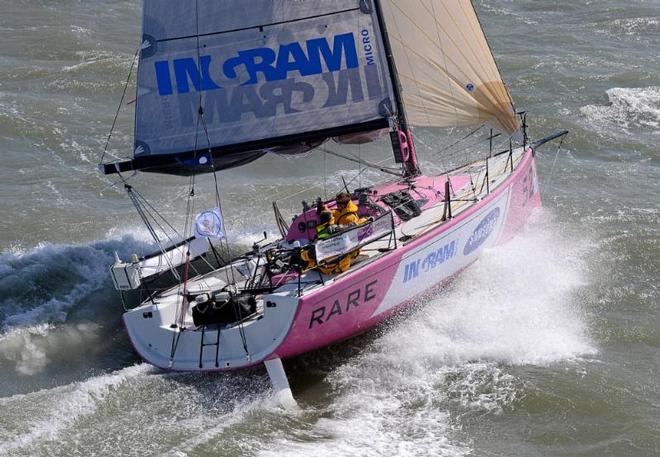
241,79
446,70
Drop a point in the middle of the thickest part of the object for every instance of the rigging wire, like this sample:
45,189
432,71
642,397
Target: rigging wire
142,207
359,172
460,140
376,165
123,95
325,175
145,210
552,170
224,244
188,215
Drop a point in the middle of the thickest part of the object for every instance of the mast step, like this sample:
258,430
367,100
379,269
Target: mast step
280,384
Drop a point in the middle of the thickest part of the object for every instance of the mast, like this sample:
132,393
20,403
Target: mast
401,137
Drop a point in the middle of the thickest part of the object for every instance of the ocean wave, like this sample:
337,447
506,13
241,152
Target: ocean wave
52,411
628,109
176,414
42,288
43,284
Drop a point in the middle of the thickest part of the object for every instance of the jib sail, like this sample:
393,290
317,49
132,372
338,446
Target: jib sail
446,70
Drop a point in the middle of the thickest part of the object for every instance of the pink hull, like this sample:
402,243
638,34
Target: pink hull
359,301
355,301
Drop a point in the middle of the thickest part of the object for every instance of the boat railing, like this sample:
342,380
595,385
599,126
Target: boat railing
350,241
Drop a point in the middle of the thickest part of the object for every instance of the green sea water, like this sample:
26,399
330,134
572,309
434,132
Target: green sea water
547,346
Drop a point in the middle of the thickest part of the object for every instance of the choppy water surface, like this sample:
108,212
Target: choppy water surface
547,346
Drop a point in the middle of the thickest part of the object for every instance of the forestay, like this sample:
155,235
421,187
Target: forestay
446,69
258,72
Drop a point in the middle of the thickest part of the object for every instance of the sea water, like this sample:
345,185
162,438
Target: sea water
545,346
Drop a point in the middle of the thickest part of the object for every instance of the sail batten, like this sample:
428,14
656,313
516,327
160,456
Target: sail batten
248,27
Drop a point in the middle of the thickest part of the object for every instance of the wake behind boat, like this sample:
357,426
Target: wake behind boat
219,86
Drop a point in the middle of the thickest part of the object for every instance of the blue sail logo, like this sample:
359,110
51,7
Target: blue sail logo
206,72
482,232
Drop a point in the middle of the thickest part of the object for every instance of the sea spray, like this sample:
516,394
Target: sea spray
400,395
628,109
41,285
170,414
54,299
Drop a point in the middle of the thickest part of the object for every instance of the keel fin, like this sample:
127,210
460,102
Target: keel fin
280,384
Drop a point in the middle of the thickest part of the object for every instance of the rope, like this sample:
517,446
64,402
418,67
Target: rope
123,95
359,171
552,170
184,298
473,132
184,302
352,158
325,175
145,215
241,329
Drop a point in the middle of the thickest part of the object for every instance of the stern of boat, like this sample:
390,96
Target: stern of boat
159,338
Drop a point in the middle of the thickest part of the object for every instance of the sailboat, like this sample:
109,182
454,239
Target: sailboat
222,83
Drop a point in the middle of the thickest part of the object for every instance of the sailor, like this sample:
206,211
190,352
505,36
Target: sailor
343,217
346,212
325,226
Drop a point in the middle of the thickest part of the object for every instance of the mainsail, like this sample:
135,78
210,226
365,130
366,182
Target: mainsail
222,82
240,79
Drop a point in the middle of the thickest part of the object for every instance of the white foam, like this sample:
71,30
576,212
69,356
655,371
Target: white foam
59,408
175,414
636,26
629,108
139,233
30,349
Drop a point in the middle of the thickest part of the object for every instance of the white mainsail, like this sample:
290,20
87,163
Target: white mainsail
446,69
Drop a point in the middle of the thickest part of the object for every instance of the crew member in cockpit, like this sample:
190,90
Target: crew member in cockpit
326,225
346,212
